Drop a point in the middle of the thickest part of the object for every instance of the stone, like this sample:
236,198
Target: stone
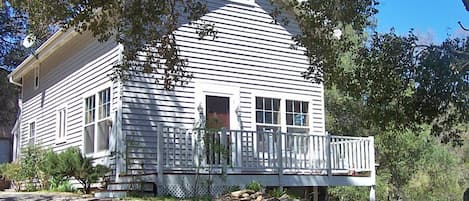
245,199
284,197
241,192
259,198
245,195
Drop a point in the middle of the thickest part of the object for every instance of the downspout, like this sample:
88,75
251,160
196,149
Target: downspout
11,80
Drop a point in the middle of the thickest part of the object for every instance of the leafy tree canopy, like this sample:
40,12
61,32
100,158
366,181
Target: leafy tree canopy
146,28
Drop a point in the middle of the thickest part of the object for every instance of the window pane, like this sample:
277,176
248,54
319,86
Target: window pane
61,123
276,118
89,139
104,103
32,132
276,105
289,119
268,104
296,106
259,117
268,117
259,103
305,120
104,129
289,106
299,119
304,107
89,109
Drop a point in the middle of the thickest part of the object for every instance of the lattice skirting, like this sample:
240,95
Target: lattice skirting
189,190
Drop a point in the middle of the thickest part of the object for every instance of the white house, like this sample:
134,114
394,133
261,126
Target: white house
248,81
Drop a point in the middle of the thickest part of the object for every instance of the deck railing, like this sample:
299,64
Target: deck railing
240,151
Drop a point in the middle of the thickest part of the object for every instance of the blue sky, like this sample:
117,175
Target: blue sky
432,20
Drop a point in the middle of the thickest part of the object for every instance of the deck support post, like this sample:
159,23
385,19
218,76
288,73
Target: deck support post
280,160
159,155
328,156
372,193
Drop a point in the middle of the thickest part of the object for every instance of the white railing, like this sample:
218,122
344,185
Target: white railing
236,150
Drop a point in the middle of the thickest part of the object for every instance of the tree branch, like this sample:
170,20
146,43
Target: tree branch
462,26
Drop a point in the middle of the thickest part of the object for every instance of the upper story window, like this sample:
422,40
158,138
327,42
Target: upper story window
36,77
97,126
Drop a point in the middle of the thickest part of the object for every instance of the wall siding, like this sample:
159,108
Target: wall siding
82,65
249,53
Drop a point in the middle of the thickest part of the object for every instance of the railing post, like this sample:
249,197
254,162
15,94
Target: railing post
372,159
195,147
223,151
280,160
328,156
159,153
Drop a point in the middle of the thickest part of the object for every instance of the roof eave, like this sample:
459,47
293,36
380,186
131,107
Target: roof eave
56,41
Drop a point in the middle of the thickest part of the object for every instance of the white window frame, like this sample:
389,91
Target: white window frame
32,137
61,124
36,79
308,114
95,92
283,97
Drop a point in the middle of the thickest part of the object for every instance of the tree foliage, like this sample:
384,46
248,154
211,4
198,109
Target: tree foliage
145,28
393,83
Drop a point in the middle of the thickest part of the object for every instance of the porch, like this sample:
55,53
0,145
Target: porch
237,157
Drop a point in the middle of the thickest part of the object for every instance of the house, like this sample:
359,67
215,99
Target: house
247,83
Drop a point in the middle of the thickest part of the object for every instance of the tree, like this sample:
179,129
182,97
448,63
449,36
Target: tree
146,29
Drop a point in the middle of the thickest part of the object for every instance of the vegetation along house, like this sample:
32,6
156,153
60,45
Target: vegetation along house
247,114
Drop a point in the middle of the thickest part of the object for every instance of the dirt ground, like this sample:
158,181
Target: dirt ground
43,196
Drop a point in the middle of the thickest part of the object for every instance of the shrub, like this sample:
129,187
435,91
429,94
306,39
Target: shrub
255,186
14,173
75,165
276,192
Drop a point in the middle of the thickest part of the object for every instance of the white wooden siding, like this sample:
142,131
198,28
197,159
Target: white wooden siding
78,67
249,53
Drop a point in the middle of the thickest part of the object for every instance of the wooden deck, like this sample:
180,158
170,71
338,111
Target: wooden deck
237,153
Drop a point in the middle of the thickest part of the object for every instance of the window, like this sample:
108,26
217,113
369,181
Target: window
297,122
267,120
32,133
36,77
97,126
61,124
297,113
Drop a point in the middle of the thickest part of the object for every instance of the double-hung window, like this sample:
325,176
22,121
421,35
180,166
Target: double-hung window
97,126
267,122
297,116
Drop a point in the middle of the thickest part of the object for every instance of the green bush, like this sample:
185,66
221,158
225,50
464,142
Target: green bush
75,165
277,192
255,186
53,170
14,173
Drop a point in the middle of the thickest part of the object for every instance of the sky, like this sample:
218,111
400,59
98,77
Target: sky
432,20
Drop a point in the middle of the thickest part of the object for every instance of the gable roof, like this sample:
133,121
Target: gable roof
57,40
